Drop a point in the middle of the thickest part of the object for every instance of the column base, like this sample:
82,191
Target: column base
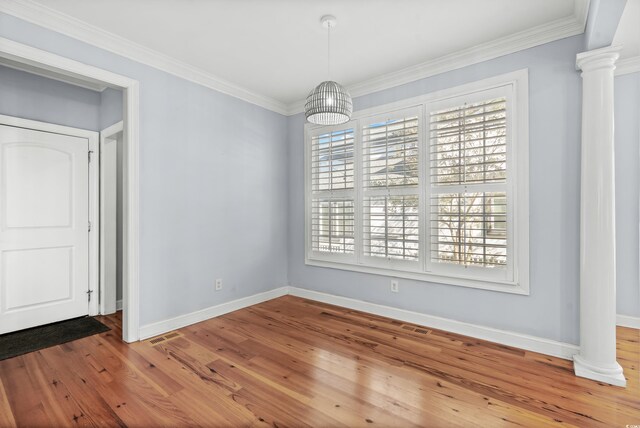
612,375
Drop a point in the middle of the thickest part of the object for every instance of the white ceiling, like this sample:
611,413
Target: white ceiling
277,48
628,33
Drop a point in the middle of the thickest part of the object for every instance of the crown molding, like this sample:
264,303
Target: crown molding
549,32
43,16
628,65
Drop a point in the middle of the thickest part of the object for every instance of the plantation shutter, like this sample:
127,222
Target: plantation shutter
390,187
332,192
468,185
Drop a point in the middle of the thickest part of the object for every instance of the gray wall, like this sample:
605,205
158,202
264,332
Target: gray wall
33,97
222,196
213,185
110,107
627,146
602,22
551,311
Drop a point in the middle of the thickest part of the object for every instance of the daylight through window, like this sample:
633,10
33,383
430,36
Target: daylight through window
427,191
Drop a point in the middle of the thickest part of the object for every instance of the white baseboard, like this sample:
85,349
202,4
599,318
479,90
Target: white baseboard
119,305
509,338
505,337
628,321
161,327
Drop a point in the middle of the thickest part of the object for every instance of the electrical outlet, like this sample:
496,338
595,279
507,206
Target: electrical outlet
218,284
394,286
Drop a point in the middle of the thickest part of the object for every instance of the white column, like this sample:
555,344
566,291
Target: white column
597,358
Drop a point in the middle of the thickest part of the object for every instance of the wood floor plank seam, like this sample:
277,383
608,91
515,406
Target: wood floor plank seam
301,363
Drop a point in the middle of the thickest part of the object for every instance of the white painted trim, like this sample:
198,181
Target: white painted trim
94,218
119,305
105,134
597,357
628,321
51,19
628,66
612,374
437,278
532,37
157,328
69,26
48,62
518,82
60,78
94,197
59,65
112,130
504,337
46,127
131,214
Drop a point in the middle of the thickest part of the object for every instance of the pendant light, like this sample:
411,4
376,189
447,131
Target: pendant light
328,103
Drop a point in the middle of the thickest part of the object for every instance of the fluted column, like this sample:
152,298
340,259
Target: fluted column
597,358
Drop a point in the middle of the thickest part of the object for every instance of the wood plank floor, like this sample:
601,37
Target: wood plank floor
294,362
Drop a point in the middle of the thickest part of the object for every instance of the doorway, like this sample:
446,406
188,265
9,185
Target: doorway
26,57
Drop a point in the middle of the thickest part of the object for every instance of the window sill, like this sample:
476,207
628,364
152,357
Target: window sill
491,285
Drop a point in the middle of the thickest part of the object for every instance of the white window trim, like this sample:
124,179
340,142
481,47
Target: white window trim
519,80
509,184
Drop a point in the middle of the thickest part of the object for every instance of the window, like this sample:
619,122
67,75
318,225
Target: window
332,183
390,187
434,188
468,171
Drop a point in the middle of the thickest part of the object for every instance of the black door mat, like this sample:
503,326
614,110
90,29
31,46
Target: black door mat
33,339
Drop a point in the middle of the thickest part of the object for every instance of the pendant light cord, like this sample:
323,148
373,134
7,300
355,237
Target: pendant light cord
328,50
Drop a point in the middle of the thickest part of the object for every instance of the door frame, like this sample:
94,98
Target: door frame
60,67
94,196
105,134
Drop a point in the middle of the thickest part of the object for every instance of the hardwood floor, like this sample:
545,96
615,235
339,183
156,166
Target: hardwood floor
294,362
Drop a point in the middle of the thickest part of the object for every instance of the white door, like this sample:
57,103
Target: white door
44,237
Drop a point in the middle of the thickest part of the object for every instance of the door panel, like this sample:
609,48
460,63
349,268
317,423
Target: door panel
38,182
24,285
44,238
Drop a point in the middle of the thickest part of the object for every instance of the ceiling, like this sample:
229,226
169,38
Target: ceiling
278,49
628,33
